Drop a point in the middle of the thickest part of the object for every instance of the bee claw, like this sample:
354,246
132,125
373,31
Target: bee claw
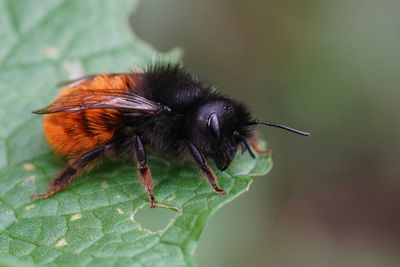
152,200
221,191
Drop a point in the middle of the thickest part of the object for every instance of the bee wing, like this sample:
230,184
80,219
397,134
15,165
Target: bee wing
103,99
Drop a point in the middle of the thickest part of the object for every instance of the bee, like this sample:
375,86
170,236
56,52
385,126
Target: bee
163,107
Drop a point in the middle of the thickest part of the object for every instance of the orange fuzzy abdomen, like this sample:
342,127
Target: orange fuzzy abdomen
77,132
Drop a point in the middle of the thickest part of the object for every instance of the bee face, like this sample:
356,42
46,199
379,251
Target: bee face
216,128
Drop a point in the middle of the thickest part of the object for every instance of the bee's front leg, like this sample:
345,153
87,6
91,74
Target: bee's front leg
207,171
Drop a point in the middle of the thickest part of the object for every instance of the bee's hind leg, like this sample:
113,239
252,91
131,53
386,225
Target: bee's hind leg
67,175
143,170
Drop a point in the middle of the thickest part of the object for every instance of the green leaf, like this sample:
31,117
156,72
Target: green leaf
93,222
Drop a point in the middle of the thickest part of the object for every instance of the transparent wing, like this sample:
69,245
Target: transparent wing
102,99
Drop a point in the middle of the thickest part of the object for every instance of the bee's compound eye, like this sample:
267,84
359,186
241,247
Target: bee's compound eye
213,124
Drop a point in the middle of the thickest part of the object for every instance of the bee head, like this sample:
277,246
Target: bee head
218,128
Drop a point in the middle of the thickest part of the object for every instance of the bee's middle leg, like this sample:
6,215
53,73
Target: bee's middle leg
143,170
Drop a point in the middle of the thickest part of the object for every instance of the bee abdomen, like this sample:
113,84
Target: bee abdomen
71,133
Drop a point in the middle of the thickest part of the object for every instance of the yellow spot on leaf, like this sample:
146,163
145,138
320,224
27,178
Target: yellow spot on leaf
120,211
29,166
61,243
118,196
51,52
76,217
29,207
104,184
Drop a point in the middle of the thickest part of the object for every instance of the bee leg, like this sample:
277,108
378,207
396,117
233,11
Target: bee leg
201,161
67,175
143,170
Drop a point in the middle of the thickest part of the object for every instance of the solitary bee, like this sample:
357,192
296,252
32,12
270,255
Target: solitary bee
163,107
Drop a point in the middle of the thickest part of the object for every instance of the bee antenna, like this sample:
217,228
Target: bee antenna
256,122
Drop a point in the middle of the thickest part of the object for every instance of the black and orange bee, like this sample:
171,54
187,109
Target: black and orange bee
163,107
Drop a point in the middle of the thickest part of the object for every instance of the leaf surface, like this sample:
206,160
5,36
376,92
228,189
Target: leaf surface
93,222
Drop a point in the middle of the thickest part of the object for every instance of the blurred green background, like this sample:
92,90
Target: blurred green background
329,67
